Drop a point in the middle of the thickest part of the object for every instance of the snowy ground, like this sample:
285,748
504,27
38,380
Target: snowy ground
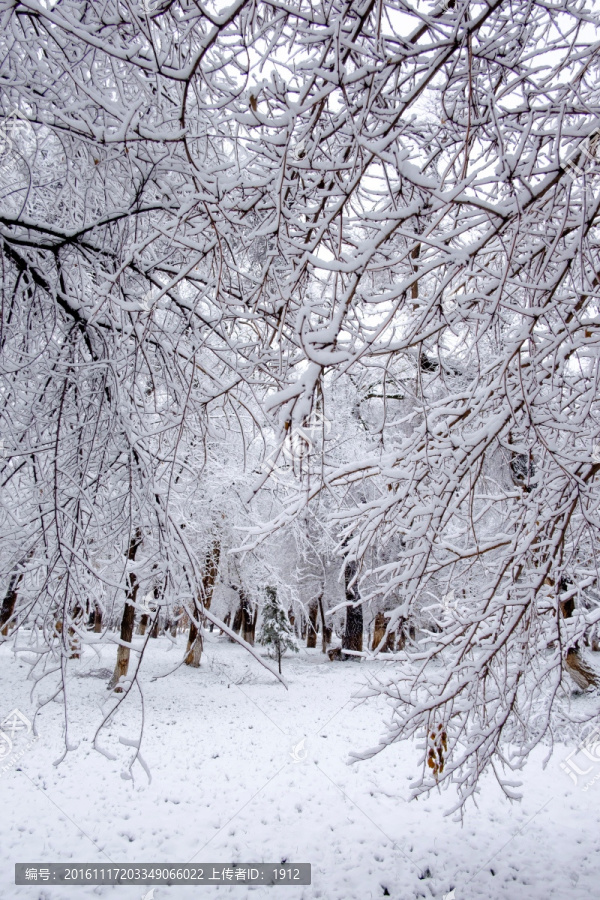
233,782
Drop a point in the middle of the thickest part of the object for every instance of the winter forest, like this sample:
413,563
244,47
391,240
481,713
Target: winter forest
300,446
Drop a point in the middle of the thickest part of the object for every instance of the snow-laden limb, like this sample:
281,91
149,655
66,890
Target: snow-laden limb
239,640
215,227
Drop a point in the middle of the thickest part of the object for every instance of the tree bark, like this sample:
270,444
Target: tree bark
311,638
123,653
325,631
249,616
401,634
245,616
353,635
128,619
237,621
10,599
379,631
9,602
193,651
73,637
97,619
143,624
582,674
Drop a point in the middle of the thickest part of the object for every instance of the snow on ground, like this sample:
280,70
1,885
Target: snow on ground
245,771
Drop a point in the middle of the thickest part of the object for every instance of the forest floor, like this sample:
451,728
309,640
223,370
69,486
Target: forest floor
243,770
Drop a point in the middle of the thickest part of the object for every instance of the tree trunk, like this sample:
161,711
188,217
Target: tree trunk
325,631
152,618
10,599
582,674
401,634
379,631
97,619
249,616
237,621
126,634
311,639
9,602
74,644
245,618
353,635
193,651
128,619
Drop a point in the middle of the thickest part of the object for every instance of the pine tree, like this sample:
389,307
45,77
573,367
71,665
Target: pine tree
276,630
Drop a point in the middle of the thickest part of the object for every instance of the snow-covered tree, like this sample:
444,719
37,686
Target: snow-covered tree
276,631
222,225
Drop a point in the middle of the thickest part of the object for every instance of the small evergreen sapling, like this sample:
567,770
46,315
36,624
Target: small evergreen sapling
276,631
